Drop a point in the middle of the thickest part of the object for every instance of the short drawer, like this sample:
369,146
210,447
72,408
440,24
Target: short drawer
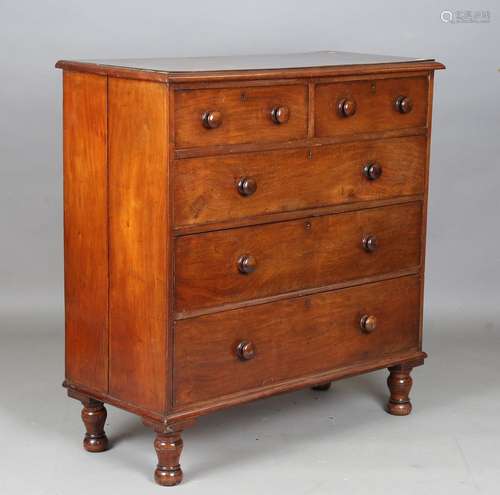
370,106
220,188
224,116
229,266
234,351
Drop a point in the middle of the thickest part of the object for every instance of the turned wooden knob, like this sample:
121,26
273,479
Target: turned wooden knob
404,104
346,107
280,115
368,323
370,243
212,119
246,264
245,350
372,171
247,186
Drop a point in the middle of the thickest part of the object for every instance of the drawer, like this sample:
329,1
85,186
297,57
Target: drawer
229,266
293,338
219,188
206,117
370,106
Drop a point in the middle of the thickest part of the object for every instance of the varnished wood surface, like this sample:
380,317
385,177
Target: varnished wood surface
375,106
255,62
246,115
312,334
206,189
172,417
294,255
139,242
299,143
85,229
268,220
399,383
94,416
313,64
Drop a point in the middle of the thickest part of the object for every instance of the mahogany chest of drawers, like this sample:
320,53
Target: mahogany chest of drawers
240,227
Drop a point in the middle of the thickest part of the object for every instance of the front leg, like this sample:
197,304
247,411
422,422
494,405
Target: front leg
168,445
399,383
168,448
94,417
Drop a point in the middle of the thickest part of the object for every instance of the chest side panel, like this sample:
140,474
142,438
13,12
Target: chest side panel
85,230
139,241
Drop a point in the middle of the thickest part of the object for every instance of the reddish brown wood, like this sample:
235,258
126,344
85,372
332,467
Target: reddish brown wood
168,449
246,115
296,179
312,334
294,255
413,358
217,69
168,446
94,417
375,104
307,213
85,229
297,234
315,142
399,383
139,242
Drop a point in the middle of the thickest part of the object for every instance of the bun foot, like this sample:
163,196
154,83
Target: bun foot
94,417
399,383
322,387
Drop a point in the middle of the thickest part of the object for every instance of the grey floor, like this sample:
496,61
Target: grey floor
307,442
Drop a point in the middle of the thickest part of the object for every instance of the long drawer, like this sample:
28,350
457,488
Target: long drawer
219,188
228,266
238,350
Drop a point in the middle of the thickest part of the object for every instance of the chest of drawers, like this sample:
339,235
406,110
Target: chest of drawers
238,228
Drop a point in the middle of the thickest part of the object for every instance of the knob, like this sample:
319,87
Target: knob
245,350
280,115
247,186
370,243
212,120
404,104
246,264
346,107
368,323
372,171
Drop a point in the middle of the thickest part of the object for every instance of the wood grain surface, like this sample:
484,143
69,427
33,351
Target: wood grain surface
245,112
294,255
311,334
85,229
375,105
139,241
206,189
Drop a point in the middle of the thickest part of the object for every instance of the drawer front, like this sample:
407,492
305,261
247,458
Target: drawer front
247,263
205,117
293,338
370,106
219,188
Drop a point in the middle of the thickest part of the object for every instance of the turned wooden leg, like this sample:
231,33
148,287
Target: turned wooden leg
399,383
322,387
168,448
168,445
94,416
